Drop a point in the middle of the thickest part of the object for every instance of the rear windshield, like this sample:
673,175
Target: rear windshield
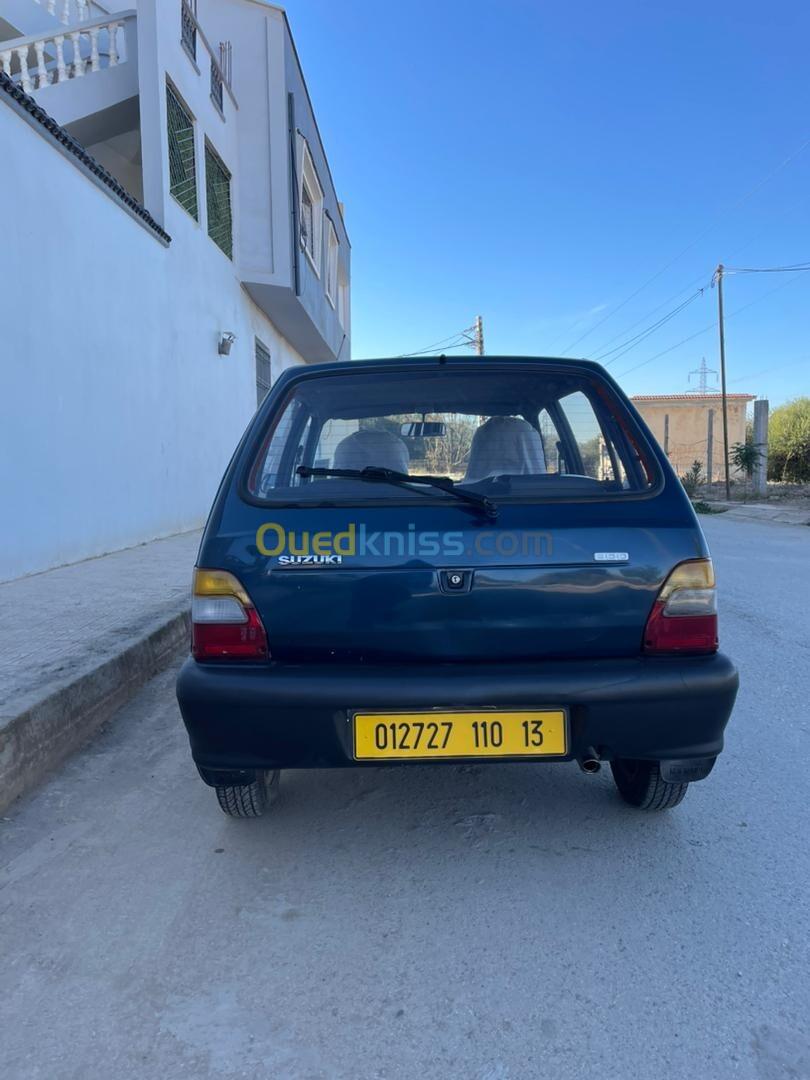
530,435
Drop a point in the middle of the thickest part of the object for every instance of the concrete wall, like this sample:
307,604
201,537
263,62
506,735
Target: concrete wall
688,430
117,415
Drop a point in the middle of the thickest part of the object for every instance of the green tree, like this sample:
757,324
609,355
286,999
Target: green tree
789,441
745,456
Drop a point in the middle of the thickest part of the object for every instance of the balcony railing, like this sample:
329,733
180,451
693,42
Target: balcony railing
67,11
55,57
220,66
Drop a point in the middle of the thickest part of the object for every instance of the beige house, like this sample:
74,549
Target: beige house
689,427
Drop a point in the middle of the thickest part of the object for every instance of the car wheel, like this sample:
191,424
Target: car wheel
640,785
249,800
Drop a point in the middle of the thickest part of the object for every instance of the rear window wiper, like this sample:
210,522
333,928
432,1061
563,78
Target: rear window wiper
376,474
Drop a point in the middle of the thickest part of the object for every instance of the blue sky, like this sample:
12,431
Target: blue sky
538,162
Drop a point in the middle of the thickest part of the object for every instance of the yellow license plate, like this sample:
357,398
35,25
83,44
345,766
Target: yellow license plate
409,736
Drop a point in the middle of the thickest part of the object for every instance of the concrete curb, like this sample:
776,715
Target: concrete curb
37,739
785,515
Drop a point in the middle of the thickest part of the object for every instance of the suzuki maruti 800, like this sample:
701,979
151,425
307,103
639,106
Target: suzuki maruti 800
444,560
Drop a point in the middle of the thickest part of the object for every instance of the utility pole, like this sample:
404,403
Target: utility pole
710,447
761,443
478,338
718,277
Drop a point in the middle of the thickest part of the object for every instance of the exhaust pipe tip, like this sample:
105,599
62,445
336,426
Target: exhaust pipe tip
590,763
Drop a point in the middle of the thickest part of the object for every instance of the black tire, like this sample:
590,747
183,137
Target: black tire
249,800
640,785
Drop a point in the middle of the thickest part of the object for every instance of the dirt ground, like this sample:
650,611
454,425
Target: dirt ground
788,495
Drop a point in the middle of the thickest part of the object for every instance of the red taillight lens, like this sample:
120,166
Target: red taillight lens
684,616
224,623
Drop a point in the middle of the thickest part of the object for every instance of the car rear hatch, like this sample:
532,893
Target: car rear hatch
569,569
584,589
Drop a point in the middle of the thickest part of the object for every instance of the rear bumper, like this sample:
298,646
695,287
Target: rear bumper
299,716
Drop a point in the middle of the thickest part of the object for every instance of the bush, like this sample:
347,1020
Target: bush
693,479
745,456
789,441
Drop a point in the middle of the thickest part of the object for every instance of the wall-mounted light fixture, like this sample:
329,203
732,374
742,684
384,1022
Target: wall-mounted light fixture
225,341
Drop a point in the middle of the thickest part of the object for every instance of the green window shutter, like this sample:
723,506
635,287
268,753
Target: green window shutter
182,165
218,202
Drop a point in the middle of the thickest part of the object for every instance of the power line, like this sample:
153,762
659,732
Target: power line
436,345
711,326
747,195
432,349
631,343
692,283
472,336
632,326
796,268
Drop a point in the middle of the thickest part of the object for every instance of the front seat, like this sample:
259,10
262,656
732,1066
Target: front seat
368,447
505,446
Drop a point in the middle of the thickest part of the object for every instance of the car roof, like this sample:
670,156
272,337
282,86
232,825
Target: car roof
399,363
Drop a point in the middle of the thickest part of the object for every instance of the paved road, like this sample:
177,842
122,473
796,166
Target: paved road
493,923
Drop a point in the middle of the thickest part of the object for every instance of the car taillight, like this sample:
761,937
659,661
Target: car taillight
224,623
684,615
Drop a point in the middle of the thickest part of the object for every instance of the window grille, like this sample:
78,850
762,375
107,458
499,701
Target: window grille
182,165
216,85
218,202
188,26
264,375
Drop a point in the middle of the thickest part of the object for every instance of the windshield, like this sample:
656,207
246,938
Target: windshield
528,434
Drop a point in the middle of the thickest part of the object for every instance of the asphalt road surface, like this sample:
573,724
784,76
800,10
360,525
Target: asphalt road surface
486,923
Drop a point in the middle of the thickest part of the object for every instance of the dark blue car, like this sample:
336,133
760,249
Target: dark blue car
439,560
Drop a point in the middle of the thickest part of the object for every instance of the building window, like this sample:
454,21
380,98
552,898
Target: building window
343,299
311,203
264,376
188,27
216,85
218,202
331,262
307,221
182,164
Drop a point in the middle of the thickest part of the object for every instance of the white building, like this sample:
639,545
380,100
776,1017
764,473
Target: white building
164,193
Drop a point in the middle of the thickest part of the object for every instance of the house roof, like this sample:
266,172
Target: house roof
696,397
26,105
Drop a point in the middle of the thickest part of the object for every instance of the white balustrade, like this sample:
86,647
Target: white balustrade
61,70
78,63
67,11
92,49
112,29
94,58
25,78
43,76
